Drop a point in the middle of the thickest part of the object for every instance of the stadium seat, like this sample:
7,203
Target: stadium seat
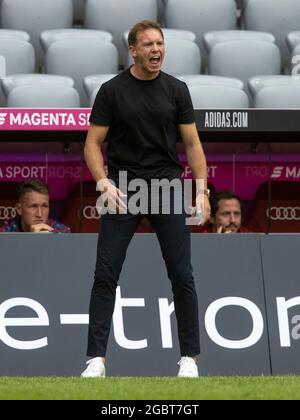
218,96
94,82
47,38
207,80
276,16
36,16
181,57
10,33
80,212
255,84
79,58
8,194
244,59
211,39
11,82
43,96
18,57
285,208
201,16
118,16
285,96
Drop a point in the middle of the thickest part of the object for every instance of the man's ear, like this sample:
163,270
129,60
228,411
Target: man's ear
132,50
19,209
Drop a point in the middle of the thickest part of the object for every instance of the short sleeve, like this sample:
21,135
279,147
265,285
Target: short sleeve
102,109
184,105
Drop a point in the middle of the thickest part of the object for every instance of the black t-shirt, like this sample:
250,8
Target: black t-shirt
143,116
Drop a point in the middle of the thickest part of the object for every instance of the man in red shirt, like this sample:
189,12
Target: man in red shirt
226,214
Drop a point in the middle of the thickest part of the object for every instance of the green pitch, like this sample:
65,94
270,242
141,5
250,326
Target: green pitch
164,388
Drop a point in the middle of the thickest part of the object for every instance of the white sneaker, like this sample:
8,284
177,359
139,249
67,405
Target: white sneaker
188,368
95,369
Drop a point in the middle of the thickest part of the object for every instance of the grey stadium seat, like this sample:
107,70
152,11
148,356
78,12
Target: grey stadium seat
93,96
118,16
19,58
79,58
11,82
11,33
217,96
201,16
205,79
210,39
36,16
244,59
95,81
256,84
49,37
276,16
278,97
181,57
43,96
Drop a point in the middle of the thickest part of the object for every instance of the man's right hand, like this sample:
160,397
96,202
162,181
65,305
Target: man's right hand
41,228
112,197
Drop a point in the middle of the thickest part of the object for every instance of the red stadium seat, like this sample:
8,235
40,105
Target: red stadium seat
284,211
81,213
8,199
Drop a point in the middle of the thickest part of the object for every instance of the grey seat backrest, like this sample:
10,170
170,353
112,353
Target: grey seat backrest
118,16
210,39
95,81
11,82
213,96
49,37
278,97
244,59
43,96
12,33
276,16
205,79
79,58
256,84
36,16
201,16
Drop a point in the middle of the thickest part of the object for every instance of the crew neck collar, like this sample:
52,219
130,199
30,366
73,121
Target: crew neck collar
143,80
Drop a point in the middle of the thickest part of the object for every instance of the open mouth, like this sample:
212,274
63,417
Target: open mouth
155,60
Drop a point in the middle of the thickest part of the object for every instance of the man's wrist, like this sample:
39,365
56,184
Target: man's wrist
101,184
204,191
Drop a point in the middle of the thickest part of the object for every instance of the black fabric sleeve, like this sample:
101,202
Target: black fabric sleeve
102,109
185,110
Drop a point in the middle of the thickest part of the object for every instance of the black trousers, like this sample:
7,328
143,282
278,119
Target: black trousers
114,238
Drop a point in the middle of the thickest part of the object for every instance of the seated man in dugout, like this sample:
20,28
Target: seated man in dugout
33,211
226,214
